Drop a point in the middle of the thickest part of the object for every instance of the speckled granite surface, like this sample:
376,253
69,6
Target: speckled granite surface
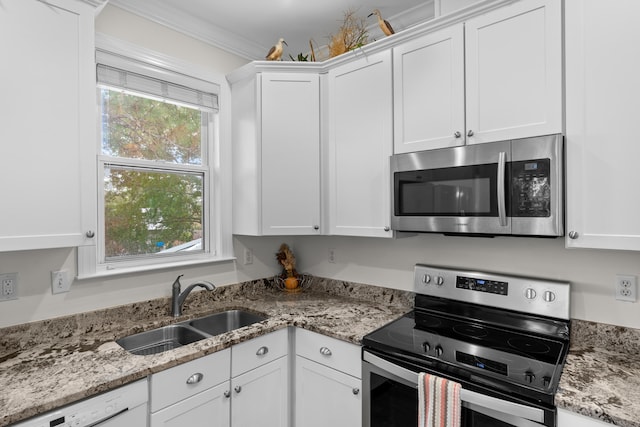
601,378
44,365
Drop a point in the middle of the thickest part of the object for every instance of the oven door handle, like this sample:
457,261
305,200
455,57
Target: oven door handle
469,398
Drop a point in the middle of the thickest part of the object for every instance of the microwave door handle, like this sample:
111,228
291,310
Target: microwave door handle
502,211
469,398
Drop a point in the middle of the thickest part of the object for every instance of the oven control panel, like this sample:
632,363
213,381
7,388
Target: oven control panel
526,294
482,285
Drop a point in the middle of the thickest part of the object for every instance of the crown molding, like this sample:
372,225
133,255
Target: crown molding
197,28
234,43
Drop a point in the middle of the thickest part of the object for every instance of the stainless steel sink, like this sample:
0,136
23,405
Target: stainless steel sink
183,333
160,339
226,321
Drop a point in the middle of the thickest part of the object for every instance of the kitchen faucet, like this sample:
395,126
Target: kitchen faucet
178,297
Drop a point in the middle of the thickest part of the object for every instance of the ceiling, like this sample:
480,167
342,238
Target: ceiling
248,28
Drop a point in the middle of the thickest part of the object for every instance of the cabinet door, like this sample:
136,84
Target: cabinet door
207,409
603,100
290,153
514,72
47,105
359,145
260,396
428,91
326,397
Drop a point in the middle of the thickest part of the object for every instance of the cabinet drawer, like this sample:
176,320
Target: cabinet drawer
258,351
337,354
180,382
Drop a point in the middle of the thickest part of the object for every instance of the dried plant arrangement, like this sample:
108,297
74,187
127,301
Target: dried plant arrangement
351,35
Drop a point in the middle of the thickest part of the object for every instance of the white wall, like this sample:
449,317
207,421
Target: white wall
389,263
36,302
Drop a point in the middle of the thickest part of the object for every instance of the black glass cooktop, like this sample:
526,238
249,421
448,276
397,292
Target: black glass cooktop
485,349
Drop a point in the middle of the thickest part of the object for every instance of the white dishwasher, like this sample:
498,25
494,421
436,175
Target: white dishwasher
125,406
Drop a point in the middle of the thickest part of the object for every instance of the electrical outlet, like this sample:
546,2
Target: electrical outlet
248,256
626,287
332,256
8,286
60,281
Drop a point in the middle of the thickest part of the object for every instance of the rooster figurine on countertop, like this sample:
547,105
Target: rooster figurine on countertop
275,53
288,261
383,23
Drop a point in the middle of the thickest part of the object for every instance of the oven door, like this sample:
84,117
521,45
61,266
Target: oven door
452,190
391,400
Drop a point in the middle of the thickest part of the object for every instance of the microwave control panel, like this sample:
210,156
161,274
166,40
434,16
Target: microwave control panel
531,188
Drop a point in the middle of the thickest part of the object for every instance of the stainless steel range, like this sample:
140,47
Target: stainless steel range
503,338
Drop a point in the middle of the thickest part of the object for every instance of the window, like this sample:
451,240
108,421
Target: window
157,158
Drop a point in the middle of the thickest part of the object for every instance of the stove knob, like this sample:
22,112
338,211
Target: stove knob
426,279
530,293
529,377
426,346
549,296
439,351
439,280
546,381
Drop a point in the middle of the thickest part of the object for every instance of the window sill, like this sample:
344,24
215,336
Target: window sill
115,271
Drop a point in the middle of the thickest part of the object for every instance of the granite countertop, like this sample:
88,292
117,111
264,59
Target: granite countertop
45,365
601,377
48,364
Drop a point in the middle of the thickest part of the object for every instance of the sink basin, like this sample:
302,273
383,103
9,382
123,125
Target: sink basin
226,321
159,340
183,333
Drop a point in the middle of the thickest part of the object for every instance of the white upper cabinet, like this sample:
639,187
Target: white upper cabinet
602,104
513,60
47,105
497,76
428,88
360,141
276,154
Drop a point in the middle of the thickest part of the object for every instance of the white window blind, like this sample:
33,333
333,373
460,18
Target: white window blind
116,78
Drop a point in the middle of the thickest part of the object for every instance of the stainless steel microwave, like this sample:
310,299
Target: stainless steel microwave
511,187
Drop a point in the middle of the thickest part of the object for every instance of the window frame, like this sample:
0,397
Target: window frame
216,180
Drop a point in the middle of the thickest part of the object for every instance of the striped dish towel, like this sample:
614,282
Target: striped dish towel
438,402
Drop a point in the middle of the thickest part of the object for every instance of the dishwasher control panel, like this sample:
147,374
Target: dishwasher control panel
115,407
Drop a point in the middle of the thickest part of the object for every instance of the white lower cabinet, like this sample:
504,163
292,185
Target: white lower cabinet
326,397
328,382
571,419
192,394
209,408
260,381
260,396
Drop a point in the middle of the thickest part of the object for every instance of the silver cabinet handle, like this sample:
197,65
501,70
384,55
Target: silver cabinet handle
90,234
457,134
573,235
387,228
262,351
325,351
316,227
238,389
227,394
470,133
195,378
356,390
